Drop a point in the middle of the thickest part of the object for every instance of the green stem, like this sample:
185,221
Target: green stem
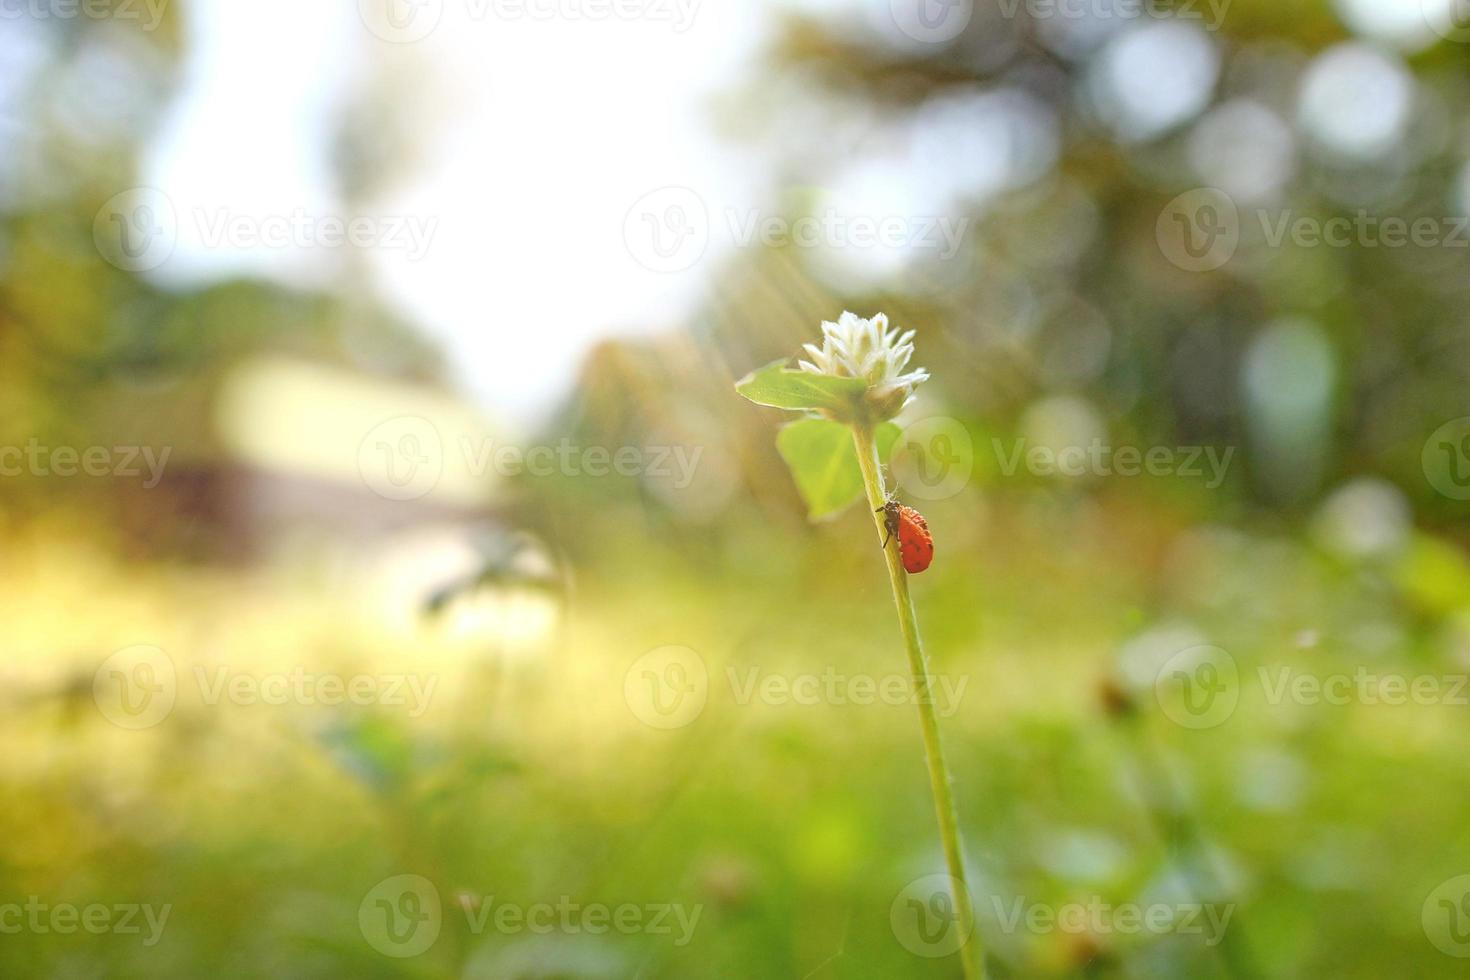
971,952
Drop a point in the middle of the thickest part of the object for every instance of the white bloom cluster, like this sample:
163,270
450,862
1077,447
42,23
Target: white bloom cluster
869,349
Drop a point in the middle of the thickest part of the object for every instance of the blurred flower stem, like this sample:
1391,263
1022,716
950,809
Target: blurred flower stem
971,952
1178,826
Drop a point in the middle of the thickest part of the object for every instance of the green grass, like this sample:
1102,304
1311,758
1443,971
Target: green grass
264,827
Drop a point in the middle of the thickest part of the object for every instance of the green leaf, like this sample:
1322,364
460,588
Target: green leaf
778,387
820,454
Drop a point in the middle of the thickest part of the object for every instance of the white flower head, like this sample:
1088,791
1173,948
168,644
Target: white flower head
869,349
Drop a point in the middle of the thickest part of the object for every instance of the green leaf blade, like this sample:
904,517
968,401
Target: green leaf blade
820,454
778,387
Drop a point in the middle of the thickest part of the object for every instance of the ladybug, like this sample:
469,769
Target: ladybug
915,543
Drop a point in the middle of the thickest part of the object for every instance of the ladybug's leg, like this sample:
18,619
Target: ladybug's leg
887,526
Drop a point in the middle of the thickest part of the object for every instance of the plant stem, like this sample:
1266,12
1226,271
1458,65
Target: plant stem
971,951
1179,828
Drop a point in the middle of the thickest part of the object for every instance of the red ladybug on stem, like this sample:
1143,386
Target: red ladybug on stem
915,543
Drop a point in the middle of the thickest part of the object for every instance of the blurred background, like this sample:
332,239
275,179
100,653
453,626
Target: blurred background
393,584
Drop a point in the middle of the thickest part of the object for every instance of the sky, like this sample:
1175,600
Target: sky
505,241
567,182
